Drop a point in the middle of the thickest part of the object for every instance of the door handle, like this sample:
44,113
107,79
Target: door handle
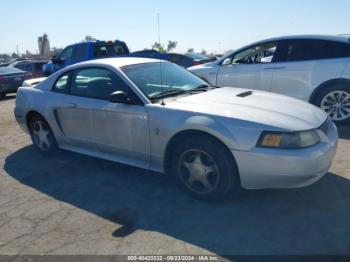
71,105
275,68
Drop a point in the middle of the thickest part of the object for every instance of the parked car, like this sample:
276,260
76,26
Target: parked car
121,109
33,81
311,68
33,67
10,79
79,52
186,60
12,61
198,59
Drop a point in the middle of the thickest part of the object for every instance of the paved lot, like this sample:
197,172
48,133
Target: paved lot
75,204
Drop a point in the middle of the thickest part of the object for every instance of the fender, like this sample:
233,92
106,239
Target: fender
328,83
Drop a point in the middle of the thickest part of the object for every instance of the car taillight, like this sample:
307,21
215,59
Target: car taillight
29,76
195,63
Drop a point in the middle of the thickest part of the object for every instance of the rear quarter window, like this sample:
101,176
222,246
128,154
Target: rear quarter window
301,50
108,50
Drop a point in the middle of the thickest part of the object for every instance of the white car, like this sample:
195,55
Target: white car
33,81
157,115
312,68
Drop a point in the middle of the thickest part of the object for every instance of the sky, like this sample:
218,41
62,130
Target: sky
213,25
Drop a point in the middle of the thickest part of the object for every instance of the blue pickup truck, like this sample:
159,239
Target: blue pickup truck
85,51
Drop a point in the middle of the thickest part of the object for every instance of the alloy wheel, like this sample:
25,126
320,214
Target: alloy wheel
337,105
41,134
198,171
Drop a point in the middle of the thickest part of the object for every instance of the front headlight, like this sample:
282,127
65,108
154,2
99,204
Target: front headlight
288,139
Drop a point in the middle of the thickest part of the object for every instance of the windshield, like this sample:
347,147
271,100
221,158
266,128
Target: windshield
147,77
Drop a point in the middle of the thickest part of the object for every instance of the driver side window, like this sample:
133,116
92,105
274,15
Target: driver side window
67,54
257,54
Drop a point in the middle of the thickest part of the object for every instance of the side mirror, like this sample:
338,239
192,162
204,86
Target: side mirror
120,97
227,61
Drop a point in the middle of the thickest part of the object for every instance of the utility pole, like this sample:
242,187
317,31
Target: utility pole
17,50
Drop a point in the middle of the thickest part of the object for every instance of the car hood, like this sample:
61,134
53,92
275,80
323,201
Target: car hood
265,108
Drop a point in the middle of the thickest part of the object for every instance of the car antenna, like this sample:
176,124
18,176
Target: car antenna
160,64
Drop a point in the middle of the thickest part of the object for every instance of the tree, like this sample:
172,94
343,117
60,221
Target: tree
14,55
171,45
157,46
203,52
190,50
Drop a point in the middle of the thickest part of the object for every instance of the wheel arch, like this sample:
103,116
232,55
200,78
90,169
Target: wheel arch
185,134
318,89
29,117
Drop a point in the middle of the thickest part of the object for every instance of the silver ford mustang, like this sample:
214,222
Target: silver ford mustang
158,116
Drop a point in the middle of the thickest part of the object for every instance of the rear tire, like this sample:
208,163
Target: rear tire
42,136
205,169
335,101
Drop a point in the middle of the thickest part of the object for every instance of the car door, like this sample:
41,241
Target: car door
90,121
74,123
306,63
68,57
292,70
245,68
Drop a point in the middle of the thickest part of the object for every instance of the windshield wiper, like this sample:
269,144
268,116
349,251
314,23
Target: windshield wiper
200,88
205,87
166,93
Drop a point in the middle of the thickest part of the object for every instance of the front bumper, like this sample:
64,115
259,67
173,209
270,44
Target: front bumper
287,168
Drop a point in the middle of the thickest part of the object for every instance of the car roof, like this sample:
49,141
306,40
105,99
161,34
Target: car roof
337,38
118,61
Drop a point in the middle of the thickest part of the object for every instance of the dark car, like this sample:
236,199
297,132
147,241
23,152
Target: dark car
33,67
186,60
197,59
10,79
12,61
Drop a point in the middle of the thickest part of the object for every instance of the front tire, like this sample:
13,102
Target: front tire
205,168
42,136
335,101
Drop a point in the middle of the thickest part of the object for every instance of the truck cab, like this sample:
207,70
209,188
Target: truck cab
80,52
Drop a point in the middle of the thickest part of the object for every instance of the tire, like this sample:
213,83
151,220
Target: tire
42,136
335,101
2,95
205,169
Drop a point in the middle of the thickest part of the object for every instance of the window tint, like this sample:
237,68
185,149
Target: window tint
299,50
96,83
108,50
81,52
61,85
176,59
67,53
39,66
24,66
257,54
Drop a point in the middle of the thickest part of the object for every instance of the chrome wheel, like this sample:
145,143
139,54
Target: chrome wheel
337,105
41,134
198,171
